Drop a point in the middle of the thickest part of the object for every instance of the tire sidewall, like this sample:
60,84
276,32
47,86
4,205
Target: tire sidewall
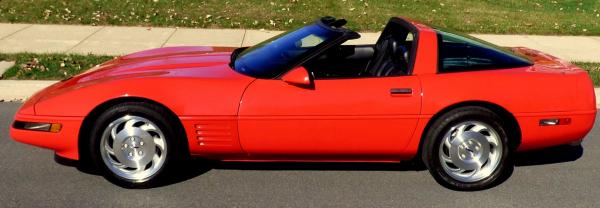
149,112
434,140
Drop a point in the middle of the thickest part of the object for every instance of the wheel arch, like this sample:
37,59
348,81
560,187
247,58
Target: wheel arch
83,138
513,127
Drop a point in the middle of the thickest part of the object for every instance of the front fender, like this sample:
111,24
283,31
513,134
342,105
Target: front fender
182,95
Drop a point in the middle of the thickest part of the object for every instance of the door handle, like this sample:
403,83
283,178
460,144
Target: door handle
401,91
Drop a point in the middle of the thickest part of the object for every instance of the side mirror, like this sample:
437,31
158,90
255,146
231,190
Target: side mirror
298,76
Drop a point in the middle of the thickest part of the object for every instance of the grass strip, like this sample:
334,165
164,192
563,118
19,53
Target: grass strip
568,17
30,66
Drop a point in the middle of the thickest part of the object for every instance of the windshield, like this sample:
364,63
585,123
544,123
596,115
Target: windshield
273,57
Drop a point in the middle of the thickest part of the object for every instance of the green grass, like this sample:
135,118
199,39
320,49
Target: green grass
573,17
593,70
59,66
49,66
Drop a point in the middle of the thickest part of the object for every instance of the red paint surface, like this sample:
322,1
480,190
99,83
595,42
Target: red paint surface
230,116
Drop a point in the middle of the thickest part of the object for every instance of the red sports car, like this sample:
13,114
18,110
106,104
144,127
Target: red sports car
460,105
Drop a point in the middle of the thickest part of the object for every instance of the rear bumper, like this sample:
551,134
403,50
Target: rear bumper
535,136
64,142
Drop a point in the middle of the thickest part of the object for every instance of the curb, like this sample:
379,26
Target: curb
5,65
597,91
19,90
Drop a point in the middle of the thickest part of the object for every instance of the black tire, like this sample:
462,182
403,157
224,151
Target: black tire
434,138
159,116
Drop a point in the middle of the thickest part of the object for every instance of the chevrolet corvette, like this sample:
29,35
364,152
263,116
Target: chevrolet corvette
456,104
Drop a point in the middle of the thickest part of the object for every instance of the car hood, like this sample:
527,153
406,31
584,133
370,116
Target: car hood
172,62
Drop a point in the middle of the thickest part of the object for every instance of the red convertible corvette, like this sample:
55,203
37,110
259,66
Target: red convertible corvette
460,105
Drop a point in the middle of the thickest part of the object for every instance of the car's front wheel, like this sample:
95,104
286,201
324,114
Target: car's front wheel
132,144
467,149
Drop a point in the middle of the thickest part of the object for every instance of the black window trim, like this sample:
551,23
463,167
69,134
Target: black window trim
415,43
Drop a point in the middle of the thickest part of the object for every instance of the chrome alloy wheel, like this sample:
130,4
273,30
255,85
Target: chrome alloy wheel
471,151
133,148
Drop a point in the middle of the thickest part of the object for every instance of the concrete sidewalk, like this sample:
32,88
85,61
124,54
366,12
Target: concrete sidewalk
109,40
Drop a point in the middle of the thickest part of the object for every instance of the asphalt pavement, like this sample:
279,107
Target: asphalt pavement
558,177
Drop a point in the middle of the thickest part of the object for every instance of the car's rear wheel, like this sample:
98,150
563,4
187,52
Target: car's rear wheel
467,149
132,143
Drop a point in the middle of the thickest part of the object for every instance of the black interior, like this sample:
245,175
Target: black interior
388,57
341,61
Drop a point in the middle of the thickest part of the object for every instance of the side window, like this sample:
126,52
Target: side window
363,61
459,53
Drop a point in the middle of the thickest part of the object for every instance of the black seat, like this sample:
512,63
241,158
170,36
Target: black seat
390,59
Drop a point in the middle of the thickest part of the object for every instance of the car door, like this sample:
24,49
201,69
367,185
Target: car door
353,116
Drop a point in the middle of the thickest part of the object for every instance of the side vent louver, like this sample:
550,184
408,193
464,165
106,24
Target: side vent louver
214,134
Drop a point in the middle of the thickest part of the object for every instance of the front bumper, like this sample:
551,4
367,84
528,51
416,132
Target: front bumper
64,142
